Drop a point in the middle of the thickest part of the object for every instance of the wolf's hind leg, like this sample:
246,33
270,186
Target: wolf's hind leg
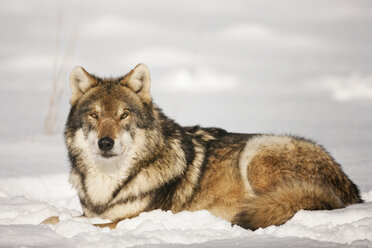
278,206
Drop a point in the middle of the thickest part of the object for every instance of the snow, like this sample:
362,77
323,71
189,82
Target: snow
301,67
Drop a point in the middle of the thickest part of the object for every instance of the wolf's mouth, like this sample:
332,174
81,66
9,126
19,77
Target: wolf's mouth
108,155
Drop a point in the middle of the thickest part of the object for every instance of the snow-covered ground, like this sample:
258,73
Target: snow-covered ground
300,67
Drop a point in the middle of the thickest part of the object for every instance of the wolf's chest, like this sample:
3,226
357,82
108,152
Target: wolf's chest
100,187
95,187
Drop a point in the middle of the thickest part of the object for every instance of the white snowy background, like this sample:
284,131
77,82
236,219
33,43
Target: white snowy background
288,67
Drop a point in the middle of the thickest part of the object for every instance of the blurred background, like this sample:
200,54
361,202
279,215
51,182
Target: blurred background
286,67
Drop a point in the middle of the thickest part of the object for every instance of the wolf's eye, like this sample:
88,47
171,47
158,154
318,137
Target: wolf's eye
94,115
124,115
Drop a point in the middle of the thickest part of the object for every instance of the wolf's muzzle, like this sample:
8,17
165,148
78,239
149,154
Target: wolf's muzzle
106,144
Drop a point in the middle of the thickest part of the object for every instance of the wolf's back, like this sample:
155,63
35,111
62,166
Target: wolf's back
278,206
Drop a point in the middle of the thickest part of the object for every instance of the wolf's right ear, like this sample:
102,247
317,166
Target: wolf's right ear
139,81
80,82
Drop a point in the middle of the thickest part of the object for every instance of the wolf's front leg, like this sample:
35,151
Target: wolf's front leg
53,220
111,225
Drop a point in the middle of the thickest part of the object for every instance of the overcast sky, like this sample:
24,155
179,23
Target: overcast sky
231,53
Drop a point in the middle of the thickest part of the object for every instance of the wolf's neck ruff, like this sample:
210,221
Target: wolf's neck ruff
157,169
128,157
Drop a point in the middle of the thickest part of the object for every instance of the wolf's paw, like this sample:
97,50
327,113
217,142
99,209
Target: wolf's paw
51,220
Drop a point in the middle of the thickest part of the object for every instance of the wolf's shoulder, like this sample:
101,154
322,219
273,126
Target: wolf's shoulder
219,135
214,131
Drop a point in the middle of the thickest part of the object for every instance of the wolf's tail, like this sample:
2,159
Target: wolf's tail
278,206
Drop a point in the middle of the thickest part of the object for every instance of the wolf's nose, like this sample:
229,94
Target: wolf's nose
106,144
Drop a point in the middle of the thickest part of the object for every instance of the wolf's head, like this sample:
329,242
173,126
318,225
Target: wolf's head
108,116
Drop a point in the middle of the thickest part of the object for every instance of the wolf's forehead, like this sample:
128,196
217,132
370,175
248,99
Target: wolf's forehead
109,99
111,105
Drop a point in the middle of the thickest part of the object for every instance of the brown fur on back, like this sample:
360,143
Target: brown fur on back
221,190
297,160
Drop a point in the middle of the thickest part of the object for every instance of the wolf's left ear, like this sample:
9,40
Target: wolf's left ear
139,81
80,81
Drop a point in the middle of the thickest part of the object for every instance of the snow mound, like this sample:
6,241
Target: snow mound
156,227
340,225
183,228
19,210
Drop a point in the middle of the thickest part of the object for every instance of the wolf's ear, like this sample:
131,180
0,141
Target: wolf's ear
139,81
80,81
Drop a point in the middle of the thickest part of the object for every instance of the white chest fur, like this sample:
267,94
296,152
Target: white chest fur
100,186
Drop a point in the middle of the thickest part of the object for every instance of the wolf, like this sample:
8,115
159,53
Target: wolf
127,157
